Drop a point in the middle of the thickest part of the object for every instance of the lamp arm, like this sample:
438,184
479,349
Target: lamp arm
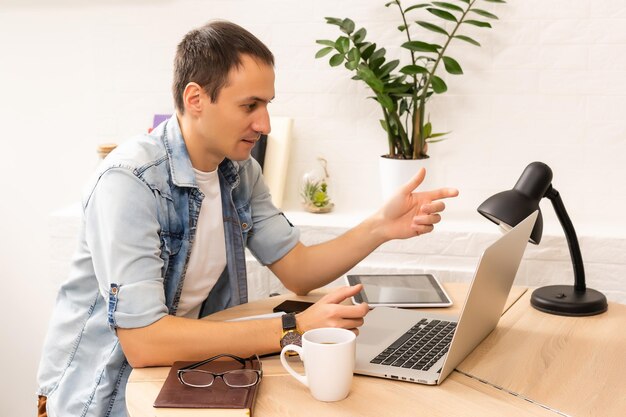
572,239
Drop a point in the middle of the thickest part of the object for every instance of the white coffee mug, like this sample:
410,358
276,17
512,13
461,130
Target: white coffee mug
328,356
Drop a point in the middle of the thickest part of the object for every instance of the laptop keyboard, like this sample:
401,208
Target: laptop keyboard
420,347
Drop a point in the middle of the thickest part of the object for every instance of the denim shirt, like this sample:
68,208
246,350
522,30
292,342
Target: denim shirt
140,214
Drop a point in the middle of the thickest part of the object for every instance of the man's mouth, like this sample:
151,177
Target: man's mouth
251,141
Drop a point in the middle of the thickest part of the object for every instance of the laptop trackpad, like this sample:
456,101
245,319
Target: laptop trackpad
372,335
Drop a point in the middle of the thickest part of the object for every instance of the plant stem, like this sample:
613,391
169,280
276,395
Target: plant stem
432,73
405,146
414,98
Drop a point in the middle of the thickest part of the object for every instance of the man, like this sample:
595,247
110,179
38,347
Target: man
165,223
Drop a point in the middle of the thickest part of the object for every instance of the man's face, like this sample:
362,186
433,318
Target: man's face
230,126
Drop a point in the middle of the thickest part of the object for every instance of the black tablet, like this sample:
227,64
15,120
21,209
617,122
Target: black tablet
406,290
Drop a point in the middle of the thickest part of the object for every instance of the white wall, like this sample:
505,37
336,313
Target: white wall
548,84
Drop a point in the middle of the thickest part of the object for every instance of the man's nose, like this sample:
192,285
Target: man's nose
262,123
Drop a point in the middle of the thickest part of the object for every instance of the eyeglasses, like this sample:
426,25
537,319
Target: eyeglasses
236,378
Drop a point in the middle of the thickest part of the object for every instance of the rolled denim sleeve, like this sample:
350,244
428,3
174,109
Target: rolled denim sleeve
273,236
122,232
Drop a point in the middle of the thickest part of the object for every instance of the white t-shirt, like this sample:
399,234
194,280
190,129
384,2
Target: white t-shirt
208,254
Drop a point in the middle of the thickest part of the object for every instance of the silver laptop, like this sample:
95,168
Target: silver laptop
409,345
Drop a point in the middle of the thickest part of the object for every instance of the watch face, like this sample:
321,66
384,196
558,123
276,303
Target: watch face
291,338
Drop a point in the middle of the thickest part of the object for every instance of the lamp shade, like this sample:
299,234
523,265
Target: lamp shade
512,206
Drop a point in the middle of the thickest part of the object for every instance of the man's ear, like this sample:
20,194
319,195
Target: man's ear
193,98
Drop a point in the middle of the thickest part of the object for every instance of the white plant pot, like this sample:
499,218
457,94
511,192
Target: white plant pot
394,173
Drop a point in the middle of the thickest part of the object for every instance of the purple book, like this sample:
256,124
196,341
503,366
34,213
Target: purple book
159,118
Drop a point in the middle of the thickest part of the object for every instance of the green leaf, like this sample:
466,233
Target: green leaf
390,3
448,6
353,59
376,63
351,65
417,6
342,44
366,52
336,60
432,27
324,51
347,26
495,1
359,35
397,90
429,140
334,21
384,125
440,134
477,23
325,42
402,28
364,72
428,128
420,46
406,95
378,54
439,86
442,14
484,13
452,66
370,78
354,55
386,102
467,39
413,69
388,67
403,107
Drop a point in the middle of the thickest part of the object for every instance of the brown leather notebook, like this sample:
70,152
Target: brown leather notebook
218,396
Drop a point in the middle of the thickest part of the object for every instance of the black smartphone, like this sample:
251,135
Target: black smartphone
292,306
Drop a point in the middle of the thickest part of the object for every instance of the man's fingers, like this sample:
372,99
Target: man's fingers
348,317
422,229
341,294
434,207
426,219
355,311
440,193
352,324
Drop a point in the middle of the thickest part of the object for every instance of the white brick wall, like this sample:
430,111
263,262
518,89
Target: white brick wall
548,84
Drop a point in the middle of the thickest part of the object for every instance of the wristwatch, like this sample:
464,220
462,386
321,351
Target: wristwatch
291,334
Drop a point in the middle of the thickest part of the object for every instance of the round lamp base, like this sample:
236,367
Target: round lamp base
563,300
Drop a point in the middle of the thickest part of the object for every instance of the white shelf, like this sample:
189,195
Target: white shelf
451,251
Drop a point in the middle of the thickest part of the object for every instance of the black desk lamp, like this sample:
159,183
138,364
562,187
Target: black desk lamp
508,208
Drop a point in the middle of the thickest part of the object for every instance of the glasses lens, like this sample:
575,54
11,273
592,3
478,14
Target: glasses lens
241,378
197,378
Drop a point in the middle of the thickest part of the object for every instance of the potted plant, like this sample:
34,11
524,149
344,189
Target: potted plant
314,189
403,89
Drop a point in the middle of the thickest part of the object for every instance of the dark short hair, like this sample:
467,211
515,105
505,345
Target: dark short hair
207,54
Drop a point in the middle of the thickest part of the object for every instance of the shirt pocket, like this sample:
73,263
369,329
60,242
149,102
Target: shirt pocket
170,246
245,221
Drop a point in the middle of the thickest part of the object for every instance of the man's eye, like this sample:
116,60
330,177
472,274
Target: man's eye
251,106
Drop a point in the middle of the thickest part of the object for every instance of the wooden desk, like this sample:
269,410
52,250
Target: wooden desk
533,364
281,395
576,365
